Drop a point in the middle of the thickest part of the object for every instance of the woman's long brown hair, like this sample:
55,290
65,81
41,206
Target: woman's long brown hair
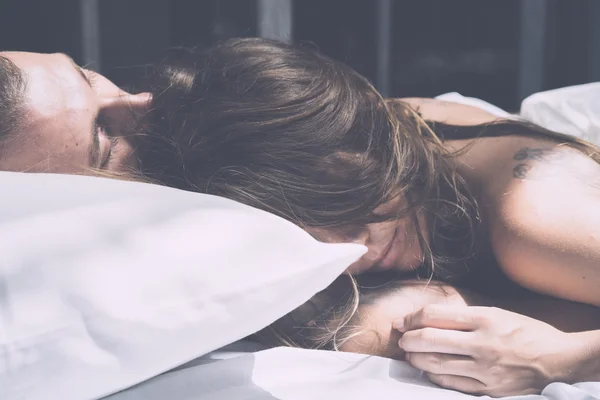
293,132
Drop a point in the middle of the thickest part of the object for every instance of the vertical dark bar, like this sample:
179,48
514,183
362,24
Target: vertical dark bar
384,46
594,42
275,19
532,41
90,34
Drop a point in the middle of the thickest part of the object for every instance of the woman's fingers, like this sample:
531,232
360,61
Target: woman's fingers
444,364
460,383
440,316
433,340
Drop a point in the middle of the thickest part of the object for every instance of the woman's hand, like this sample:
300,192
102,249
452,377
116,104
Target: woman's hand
486,350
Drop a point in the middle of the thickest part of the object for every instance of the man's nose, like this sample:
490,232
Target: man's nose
124,112
136,103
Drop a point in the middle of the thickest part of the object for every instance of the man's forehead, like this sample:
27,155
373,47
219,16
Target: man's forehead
53,85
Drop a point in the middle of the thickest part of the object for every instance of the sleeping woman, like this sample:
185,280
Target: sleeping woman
436,192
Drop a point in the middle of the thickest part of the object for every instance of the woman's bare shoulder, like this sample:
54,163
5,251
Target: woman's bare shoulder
448,112
543,217
521,167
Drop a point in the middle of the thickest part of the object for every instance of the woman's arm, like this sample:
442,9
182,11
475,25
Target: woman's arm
490,351
484,350
587,369
372,325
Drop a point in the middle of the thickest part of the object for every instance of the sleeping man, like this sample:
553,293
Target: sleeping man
58,117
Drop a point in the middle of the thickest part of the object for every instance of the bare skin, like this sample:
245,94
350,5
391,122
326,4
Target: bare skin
377,336
526,188
75,121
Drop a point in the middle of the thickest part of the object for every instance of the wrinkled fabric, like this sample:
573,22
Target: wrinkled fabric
300,374
104,283
573,110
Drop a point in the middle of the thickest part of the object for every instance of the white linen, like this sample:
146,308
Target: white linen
574,110
298,374
104,283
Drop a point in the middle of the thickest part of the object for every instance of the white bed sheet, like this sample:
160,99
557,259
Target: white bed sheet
297,374
239,372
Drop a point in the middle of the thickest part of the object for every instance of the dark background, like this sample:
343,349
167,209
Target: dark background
498,50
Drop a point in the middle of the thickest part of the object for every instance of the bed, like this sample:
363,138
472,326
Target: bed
286,373
244,371
106,332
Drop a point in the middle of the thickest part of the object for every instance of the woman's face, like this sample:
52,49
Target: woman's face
392,245
75,120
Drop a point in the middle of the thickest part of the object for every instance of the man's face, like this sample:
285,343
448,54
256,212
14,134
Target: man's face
75,120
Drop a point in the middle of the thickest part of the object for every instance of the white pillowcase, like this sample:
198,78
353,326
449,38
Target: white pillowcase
104,283
573,110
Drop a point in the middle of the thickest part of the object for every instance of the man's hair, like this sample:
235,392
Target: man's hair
12,89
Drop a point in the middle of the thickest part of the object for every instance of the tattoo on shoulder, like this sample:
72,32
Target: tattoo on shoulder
528,153
560,162
522,169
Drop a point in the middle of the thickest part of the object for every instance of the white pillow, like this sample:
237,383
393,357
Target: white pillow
104,283
573,110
